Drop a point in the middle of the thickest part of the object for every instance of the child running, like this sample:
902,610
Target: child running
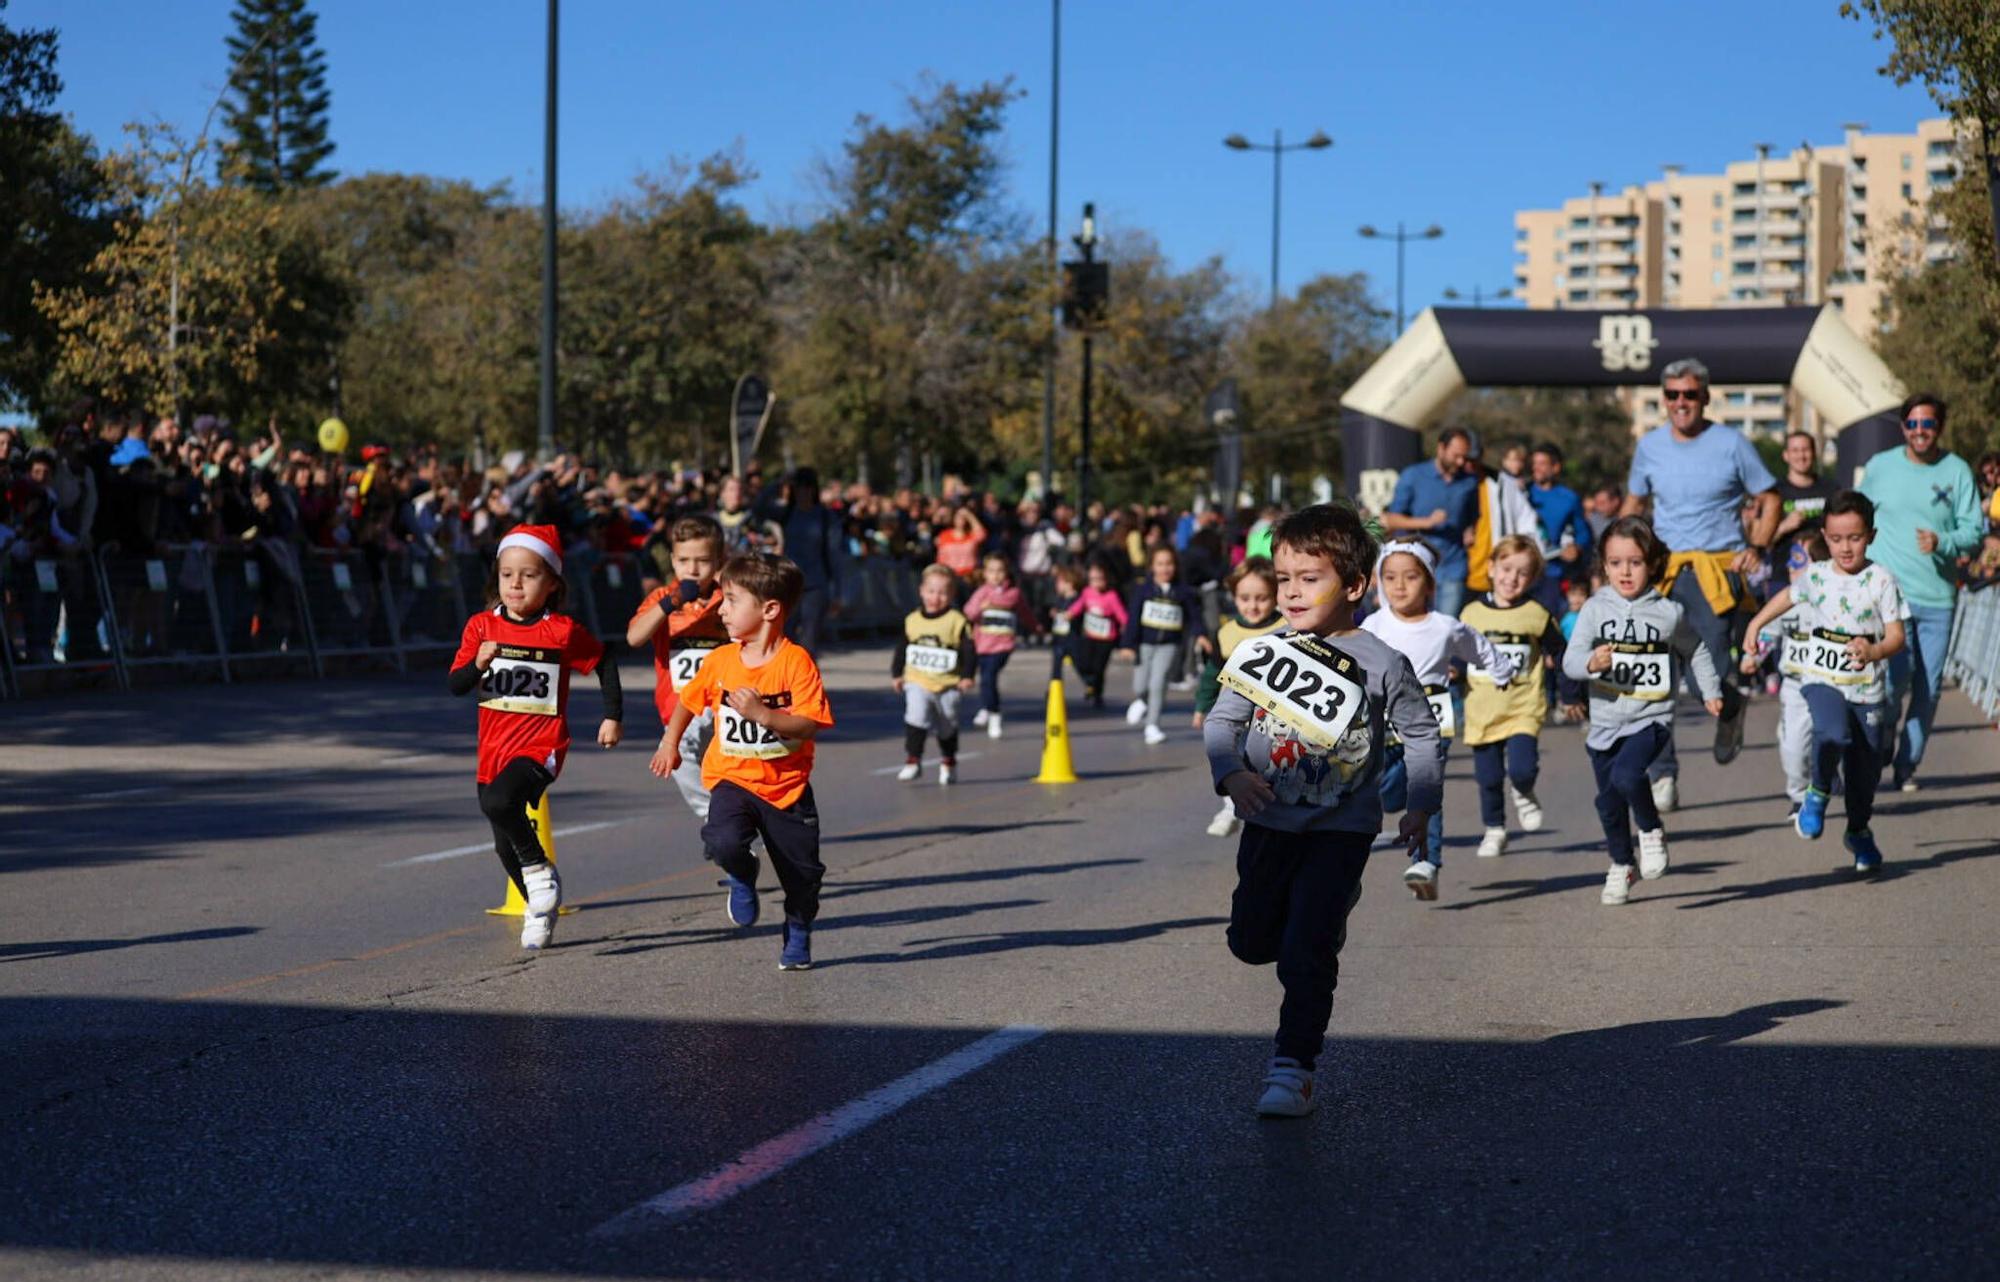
1099,613
1253,587
1852,613
1503,720
1161,616
1407,576
683,624
1068,585
769,705
518,653
1784,634
1296,741
1631,643
931,669
997,612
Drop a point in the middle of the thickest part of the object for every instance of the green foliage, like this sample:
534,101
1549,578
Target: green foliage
54,215
277,100
1590,425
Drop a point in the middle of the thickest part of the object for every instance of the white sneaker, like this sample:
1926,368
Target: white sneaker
993,726
1155,735
1288,1090
979,717
1908,785
537,929
1652,854
910,770
1135,712
1183,685
1493,844
1422,879
1666,794
1526,808
947,775
1618,884
543,888
1225,823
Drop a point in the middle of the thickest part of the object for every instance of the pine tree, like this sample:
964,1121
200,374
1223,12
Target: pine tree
277,97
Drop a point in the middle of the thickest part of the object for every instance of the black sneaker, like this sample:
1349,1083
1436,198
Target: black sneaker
1729,730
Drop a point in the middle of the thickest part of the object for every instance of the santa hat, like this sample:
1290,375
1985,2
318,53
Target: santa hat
542,540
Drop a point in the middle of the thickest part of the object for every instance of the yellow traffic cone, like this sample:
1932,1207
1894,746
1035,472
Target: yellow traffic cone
1056,764
545,831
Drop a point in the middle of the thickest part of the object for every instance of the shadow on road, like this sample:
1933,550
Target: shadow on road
73,947
985,944
773,915
202,1137
1564,884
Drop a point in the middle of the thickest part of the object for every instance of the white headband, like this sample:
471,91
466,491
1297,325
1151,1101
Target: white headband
1416,548
540,547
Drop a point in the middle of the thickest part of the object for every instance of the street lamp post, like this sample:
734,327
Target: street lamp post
545,435
1086,292
1479,296
1277,147
1401,238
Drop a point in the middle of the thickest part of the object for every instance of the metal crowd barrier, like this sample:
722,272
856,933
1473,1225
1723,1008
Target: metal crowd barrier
1974,658
270,607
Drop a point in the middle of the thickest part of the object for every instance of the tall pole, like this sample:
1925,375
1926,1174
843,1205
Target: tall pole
1400,239
1049,358
1083,450
1277,162
546,435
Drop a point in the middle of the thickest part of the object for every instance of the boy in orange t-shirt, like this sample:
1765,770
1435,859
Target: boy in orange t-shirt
682,621
769,706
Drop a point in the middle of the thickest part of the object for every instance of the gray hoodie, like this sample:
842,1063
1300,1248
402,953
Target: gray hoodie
1653,641
1338,791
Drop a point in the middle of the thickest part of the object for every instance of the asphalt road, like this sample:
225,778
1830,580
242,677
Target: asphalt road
257,1026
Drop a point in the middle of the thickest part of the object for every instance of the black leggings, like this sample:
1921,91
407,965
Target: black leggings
506,801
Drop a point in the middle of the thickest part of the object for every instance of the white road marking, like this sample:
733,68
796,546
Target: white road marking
121,793
406,758
963,756
438,855
774,1156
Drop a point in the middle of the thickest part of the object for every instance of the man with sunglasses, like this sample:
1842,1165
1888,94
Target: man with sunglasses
1692,478
1926,516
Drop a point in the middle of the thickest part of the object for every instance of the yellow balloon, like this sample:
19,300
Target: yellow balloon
333,436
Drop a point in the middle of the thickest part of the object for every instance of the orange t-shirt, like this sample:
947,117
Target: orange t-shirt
679,647
958,552
743,752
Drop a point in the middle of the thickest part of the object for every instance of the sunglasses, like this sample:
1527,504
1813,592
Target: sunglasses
1680,394
1920,425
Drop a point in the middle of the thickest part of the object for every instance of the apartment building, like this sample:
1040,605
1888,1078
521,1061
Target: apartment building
1812,225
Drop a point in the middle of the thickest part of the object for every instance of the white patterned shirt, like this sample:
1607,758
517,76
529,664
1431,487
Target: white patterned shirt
1858,605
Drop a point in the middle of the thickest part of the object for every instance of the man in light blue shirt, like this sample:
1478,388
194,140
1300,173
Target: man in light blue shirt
1439,500
1926,516
1692,478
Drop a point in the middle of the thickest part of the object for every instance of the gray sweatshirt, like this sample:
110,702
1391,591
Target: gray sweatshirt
1652,640
1339,791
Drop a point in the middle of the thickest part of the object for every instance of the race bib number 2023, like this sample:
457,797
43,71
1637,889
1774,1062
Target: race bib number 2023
1314,688
525,679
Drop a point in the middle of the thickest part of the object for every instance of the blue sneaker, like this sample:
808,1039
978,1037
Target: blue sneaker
798,953
743,902
1811,819
1867,855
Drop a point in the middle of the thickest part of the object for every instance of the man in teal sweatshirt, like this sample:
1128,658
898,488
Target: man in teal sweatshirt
1926,516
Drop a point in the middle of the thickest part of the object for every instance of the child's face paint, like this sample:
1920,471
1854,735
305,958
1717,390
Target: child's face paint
1311,593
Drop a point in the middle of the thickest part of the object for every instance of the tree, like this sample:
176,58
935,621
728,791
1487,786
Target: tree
1953,46
277,101
1293,363
53,212
209,294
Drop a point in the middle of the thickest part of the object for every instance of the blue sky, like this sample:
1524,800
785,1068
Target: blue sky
1455,113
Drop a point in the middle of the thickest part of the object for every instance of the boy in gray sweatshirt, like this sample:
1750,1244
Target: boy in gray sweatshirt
1630,644
1295,740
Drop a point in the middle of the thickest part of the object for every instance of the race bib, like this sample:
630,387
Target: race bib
686,658
932,660
1825,660
1099,627
999,623
1639,670
1059,626
1161,615
1518,649
742,737
1439,697
525,679
1301,680
1793,651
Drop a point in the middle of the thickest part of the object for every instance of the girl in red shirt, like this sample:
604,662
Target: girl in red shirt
518,654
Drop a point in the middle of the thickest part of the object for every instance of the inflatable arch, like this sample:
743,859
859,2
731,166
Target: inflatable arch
1446,350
